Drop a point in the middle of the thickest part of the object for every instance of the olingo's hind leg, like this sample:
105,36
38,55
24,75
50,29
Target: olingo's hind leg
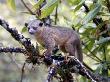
70,47
73,47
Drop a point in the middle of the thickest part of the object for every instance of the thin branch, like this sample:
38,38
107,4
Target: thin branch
73,62
30,11
32,51
92,52
56,14
108,5
12,49
91,57
22,72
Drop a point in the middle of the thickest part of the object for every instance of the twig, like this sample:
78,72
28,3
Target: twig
22,72
92,53
108,5
12,49
30,11
56,14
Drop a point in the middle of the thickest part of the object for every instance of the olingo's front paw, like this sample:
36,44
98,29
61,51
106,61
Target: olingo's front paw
48,60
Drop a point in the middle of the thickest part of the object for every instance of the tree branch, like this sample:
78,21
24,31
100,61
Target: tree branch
73,65
32,51
12,49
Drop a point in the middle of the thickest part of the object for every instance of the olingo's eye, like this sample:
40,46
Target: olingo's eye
28,29
34,28
40,24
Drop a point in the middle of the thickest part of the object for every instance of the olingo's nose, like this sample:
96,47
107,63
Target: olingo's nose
31,32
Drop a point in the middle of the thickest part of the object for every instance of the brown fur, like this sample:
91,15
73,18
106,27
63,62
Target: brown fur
67,39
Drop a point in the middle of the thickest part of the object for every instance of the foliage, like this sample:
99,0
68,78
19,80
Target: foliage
95,36
91,14
11,3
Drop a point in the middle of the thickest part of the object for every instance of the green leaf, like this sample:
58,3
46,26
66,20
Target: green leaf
32,2
83,79
73,2
104,14
48,8
36,6
24,29
103,40
79,5
90,44
11,3
95,51
99,69
91,14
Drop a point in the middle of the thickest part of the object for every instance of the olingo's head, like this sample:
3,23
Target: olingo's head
33,26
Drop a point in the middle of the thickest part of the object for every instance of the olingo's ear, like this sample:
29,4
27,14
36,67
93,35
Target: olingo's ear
41,24
26,24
